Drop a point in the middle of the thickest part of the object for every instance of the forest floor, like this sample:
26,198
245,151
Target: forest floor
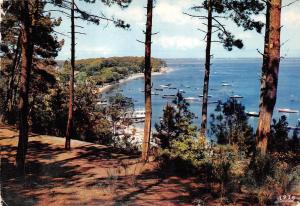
92,174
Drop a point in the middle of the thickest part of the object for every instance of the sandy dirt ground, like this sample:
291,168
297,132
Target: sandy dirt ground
89,174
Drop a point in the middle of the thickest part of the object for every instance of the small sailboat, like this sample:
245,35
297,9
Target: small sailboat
286,110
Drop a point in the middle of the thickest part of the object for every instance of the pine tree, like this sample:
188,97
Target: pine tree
176,123
147,74
269,78
240,13
64,6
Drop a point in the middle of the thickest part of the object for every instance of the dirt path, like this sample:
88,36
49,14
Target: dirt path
89,174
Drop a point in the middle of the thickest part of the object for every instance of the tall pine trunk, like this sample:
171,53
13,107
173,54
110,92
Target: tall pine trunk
206,73
270,70
69,131
147,73
27,50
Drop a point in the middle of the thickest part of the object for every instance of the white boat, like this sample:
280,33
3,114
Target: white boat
252,114
236,96
285,110
154,93
103,102
226,85
138,115
191,99
164,86
293,128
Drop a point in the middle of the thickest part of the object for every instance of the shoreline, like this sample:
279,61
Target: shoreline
110,86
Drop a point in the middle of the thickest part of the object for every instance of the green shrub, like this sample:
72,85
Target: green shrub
230,126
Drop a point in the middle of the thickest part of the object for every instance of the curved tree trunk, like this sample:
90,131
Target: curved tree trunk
206,73
270,71
69,131
27,50
147,73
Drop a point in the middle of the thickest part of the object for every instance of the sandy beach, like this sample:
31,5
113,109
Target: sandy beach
107,87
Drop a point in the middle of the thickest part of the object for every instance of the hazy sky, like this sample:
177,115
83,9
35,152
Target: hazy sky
178,34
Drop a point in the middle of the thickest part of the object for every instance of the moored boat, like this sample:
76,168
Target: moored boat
286,110
169,96
236,96
226,85
192,99
252,114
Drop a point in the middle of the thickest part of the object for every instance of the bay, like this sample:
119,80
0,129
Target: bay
242,77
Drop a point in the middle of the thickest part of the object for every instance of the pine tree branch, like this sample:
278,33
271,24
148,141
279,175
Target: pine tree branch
289,3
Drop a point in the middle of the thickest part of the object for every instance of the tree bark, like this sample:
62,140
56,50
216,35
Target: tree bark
27,50
69,131
270,70
206,73
147,73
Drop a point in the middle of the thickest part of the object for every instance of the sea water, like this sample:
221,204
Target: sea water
242,77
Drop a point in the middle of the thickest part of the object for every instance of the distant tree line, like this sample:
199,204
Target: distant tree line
108,70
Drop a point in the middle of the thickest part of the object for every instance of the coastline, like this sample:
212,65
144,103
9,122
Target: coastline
107,87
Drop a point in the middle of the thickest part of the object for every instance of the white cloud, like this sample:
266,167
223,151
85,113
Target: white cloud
94,51
170,12
291,17
134,15
179,42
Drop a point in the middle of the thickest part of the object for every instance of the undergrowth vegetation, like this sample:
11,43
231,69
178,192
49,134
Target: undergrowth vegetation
229,159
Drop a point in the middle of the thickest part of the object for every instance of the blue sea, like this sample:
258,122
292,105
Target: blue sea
242,74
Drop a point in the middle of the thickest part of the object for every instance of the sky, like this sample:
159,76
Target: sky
178,34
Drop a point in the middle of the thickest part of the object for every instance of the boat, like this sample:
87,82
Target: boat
285,110
172,88
236,96
252,114
102,103
154,93
159,89
192,99
164,86
169,96
201,95
293,128
181,90
226,85
213,102
138,115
